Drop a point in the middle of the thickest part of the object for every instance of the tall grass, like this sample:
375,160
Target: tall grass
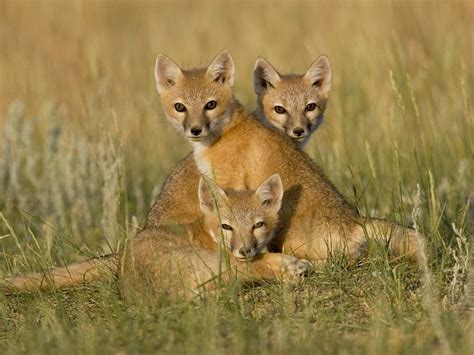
85,148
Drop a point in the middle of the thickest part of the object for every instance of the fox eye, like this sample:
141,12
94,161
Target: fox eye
258,225
310,107
226,227
211,105
280,109
179,107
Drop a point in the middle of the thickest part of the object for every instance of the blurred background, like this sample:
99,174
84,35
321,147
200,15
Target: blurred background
85,146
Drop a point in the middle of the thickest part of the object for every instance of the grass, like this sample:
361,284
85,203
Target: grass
85,148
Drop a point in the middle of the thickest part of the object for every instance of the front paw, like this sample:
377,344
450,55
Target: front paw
293,267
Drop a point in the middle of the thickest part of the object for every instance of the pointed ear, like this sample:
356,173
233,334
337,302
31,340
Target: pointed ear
210,195
270,193
222,69
319,74
167,73
264,76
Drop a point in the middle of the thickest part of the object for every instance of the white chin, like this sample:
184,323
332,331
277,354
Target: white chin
299,139
248,258
196,139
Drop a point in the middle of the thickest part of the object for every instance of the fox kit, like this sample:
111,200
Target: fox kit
240,223
239,152
293,104
163,260
288,103
242,220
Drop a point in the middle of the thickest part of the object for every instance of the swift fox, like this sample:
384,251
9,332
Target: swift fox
293,104
239,152
170,260
288,103
240,222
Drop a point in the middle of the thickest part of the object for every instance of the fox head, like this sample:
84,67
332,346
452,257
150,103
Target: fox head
196,101
243,220
294,104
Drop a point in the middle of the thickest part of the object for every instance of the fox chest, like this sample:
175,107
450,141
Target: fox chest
227,169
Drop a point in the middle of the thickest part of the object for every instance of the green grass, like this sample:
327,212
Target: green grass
85,148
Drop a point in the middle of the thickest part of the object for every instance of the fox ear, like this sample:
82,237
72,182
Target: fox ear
210,195
264,76
319,74
270,193
222,69
167,73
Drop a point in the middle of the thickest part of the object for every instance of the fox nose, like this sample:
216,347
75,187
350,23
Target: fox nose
196,131
245,251
298,131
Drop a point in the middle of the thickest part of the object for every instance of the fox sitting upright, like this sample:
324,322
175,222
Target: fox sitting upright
239,152
289,103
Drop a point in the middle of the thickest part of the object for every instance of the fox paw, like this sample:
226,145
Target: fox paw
295,267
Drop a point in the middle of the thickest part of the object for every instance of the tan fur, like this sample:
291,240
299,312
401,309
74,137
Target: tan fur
293,91
177,200
73,274
248,218
314,220
301,97
315,217
166,260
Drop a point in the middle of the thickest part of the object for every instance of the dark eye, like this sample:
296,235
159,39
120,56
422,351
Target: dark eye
211,105
280,109
226,227
258,225
310,107
179,107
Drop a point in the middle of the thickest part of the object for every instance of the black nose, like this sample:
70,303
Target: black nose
298,131
196,131
244,251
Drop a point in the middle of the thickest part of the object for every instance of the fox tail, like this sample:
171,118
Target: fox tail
69,275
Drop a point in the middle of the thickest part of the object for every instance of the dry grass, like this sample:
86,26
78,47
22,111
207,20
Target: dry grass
84,149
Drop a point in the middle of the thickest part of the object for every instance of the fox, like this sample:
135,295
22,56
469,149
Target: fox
238,151
172,260
293,103
288,103
240,222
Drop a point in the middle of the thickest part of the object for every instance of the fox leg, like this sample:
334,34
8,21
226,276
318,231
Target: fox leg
213,270
402,241
268,266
